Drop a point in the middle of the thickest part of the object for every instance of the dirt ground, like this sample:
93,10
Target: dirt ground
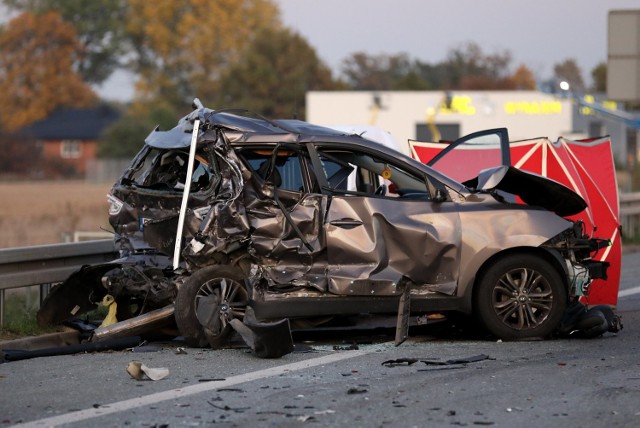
49,212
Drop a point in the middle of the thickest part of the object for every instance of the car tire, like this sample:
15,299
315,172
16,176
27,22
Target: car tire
206,302
520,296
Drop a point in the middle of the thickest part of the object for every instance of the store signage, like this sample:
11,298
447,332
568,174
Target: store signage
533,107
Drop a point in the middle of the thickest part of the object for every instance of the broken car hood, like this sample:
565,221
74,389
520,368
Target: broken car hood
531,188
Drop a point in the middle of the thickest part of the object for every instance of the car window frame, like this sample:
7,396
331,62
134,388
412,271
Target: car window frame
433,187
142,166
503,135
308,185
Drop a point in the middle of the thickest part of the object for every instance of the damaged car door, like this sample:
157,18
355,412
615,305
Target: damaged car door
386,226
286,215
483,144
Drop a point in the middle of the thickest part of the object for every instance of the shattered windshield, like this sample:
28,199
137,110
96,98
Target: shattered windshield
167,170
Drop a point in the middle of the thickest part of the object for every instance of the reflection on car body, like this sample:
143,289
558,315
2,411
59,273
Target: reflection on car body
288,220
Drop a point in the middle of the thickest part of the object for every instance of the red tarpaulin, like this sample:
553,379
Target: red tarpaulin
584,166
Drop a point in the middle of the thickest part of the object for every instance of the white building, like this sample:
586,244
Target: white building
422,115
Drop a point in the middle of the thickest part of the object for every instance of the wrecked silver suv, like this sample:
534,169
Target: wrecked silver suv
285,220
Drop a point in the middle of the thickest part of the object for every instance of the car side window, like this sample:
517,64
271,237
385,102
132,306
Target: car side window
285,174
359,173
167,170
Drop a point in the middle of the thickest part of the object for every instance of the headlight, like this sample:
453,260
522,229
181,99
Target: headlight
115,204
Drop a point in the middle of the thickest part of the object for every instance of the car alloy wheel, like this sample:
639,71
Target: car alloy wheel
520,296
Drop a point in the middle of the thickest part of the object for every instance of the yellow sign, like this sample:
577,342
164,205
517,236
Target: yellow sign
463,104
460,104
590,99
533,107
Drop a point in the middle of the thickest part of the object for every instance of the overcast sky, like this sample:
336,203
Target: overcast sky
538,33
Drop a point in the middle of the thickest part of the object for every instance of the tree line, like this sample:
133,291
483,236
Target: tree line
228,53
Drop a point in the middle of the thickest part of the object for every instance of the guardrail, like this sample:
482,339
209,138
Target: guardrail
630,215
48,264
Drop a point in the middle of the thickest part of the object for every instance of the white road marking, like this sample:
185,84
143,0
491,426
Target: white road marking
120,406
629,291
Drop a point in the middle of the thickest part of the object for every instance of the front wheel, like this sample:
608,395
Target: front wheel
207,301
520,296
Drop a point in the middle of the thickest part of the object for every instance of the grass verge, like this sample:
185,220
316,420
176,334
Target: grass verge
20,308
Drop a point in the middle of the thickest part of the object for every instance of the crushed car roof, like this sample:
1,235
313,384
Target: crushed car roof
180,136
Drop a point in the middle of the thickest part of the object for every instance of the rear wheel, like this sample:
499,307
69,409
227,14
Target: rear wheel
207,301
520,296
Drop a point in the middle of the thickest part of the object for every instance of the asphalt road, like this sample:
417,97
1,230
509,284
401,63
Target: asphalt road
552,383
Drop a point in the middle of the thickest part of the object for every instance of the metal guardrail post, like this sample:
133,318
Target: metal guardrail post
1,308
44,291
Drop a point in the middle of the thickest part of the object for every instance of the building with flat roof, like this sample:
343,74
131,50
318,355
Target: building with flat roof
440,115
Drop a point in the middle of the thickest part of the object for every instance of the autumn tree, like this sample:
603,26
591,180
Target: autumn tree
434,75
412,81
273,75
362,71
522,79
183,48
466,67
569,72
599,76
124,138
99,26
37,54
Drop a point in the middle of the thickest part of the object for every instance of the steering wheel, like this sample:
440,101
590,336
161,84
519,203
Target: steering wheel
381,190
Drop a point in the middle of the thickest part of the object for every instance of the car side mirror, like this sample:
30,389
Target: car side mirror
440,196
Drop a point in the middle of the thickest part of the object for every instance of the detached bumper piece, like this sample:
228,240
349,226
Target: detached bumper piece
266,340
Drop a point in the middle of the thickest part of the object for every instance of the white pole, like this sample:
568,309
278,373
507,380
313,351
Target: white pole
185,193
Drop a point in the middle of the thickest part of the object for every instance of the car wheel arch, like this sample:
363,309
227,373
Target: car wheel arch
552,257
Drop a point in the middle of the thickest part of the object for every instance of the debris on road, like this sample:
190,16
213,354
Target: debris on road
410,361
583,322
139,371
110,303
116,344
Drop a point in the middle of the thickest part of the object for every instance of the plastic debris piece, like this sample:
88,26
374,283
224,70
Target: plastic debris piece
471,359
437,368
400,362
139,371
353,347
266,339
110,303
409,361
145,347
